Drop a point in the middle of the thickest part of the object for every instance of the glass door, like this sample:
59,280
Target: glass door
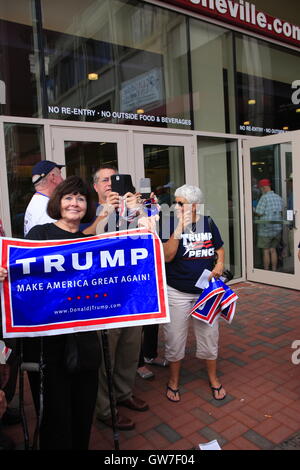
168,160
84,150
272,209
23,145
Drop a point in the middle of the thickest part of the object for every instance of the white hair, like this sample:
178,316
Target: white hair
192,194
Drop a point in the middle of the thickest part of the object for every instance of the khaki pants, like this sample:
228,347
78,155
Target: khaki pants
124,345
176,331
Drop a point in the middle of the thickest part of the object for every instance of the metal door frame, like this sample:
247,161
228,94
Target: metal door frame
260,275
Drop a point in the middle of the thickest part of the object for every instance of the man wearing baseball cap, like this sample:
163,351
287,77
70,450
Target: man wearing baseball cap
269,228
46,176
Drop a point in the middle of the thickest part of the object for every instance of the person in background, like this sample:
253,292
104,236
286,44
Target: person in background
3,404
102,182
102,186
8,380
149,352
124,343
269,210
188,252
6,443
46,176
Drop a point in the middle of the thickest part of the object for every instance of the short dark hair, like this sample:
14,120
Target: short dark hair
71,185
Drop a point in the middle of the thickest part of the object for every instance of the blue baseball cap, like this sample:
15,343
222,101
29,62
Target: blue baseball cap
42,169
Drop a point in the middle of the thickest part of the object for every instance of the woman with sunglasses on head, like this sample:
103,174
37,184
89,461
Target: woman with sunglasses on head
190,250
69,395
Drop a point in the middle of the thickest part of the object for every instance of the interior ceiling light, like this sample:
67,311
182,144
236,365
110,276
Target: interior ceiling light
93,76
285,128
251,101
246,123
298,110
140,111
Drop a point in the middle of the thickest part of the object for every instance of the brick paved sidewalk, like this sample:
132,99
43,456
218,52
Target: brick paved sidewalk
262,407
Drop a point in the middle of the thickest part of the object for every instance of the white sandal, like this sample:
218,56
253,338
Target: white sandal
145,373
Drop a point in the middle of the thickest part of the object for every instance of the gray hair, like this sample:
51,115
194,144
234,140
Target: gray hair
104,167
43,182
192,194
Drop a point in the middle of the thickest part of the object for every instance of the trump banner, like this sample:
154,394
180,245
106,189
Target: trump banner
105,281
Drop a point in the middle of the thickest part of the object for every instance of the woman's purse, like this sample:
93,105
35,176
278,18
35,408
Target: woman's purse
227,274
82,352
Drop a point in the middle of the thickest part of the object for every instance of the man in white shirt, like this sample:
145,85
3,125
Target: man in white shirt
46,176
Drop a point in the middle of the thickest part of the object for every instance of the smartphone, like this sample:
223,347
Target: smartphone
145,188
122,184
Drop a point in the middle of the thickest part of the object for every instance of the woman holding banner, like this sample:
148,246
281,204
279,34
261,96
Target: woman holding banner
188,252
70,388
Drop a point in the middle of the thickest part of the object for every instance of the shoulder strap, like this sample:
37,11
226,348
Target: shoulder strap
210,223
209,220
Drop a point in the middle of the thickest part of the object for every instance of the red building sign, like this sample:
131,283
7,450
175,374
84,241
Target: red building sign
243,14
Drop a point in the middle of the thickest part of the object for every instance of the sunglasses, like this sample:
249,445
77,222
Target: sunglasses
180,204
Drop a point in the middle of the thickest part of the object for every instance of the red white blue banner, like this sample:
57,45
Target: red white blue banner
105,281
216,301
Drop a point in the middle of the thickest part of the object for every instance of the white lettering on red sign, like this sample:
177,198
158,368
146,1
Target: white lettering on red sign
244,13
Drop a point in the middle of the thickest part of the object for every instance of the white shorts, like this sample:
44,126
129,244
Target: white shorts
207,337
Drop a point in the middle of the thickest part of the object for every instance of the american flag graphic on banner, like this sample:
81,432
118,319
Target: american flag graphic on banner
216,301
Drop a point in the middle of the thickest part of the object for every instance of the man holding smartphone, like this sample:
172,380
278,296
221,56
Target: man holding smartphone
102,186
120,209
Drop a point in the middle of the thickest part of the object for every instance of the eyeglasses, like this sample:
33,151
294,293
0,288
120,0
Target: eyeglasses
179,203
102,180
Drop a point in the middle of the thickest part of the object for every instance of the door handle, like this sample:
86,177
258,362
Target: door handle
291,218
294,219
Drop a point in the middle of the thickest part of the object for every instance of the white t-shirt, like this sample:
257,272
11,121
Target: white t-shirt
36,212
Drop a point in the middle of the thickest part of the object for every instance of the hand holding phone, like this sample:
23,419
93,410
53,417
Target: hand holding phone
122,184
145,188
112,202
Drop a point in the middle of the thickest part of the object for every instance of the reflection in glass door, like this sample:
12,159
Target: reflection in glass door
83,151
84,158
219,181
272,204
169,160
164,165
24,147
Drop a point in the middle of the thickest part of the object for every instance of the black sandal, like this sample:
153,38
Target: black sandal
175,391
217,389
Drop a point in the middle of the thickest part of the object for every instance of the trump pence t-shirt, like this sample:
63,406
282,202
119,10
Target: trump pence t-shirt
196,252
